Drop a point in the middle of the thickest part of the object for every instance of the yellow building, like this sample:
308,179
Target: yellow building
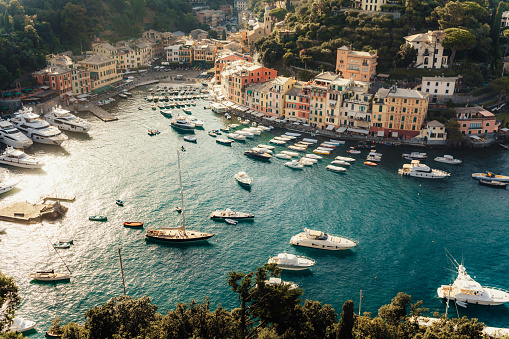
103,71
398,112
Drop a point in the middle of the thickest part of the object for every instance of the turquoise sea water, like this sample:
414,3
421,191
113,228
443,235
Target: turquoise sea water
402,224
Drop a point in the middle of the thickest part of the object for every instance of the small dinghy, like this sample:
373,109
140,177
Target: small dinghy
212,134
492,183
231,221
370,163
190,138
133,224
119,202
98,218
178,209
60,244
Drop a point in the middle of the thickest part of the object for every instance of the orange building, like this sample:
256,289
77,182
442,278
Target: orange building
56,77
224,57
360,66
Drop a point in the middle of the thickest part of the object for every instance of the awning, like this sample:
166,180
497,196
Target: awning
358,130
291,119
475,137
341,129
330,128
361,115
380,133
82,96
394,134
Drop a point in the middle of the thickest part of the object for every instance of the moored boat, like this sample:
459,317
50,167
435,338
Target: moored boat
229,214
337,169
48,276
414,156
223,141
190,138
493,183
244,179
20,325
370,163
258,154
418,170
133,224
98,218
321,240
282,156
291,262
490,176
17,158
448,159
294,164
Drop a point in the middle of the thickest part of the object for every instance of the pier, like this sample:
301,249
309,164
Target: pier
28,213
97,111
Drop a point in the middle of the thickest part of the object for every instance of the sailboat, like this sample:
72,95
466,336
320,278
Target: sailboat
51,275
177,234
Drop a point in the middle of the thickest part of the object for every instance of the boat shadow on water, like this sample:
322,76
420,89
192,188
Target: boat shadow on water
194,244
318,253
53,282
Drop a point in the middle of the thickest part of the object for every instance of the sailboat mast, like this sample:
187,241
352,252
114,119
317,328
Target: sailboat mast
181,194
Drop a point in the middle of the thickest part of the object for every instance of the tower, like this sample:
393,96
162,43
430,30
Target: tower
267,21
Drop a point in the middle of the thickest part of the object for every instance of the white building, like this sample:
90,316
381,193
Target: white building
372,5
172,53
241,5
335,91
505,19
430,52
356,108
439,86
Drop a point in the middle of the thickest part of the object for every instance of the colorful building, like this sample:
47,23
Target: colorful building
296,103
224,57
430,52
57,78
476,120
398,113
81,83
103,71
434,133
335,91
360,66
318,98
203,54
356,108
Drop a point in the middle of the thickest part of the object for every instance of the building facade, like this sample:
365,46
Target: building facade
356,108
81,83
430,52
476,120
103,71
360,66
296,103
57,78
372,5
398,113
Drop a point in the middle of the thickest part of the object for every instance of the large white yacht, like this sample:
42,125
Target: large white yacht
14,157
291,262
183,124
66,121
418,170
466,290
37,129
320,240
11,136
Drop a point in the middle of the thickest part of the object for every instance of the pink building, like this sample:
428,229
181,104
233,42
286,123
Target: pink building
56,77
476,120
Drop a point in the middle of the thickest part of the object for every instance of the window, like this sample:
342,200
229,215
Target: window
446,91
436,91
415,119
393,100
404,109
403,119
427,90
392,109
404,101
402,126
390,125
413,127
416,110
487,124
392,117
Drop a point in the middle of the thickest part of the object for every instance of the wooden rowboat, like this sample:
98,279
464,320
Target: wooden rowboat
133,224
370,163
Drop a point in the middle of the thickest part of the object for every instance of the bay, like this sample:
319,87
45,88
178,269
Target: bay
402,225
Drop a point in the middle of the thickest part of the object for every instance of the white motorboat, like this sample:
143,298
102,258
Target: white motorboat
340,162
253,130
14,157
266,147
190,138
182,123
414,156
37,129
335,168
311,160
6,187
448,159
11,136
277,142
313,156
320,240
196,121
273,281
290,153
282,156
229,214
246,134
233,125
353,151
283,139
466,290
327,149
261,149
291,137
265,128
244,179
345,159
418,170
231,221
20,325
297,148
66,121
287,261
305,162
321,151
294,164
490,176
301,144
305,143
49,276
236,136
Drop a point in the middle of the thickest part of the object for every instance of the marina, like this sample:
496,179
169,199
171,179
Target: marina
401,226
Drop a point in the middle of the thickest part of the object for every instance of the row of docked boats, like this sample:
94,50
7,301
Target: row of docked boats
26,127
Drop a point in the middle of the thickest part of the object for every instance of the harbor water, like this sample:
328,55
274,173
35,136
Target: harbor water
402,225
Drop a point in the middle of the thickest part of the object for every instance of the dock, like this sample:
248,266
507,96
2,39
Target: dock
45,198
98,112
28,213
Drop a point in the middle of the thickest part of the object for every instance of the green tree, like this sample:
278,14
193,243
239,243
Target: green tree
9,301
407,54
74,331
123,316
501,85
74,28
212,34
347,321
278,13
457,39
288,58
223,37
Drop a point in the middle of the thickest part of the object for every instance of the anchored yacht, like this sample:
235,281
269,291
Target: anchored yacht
14,157
11,136
466,290
418,170
66,121
37,129
320,240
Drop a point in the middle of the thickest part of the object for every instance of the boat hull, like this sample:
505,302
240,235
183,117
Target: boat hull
176,236
21,164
